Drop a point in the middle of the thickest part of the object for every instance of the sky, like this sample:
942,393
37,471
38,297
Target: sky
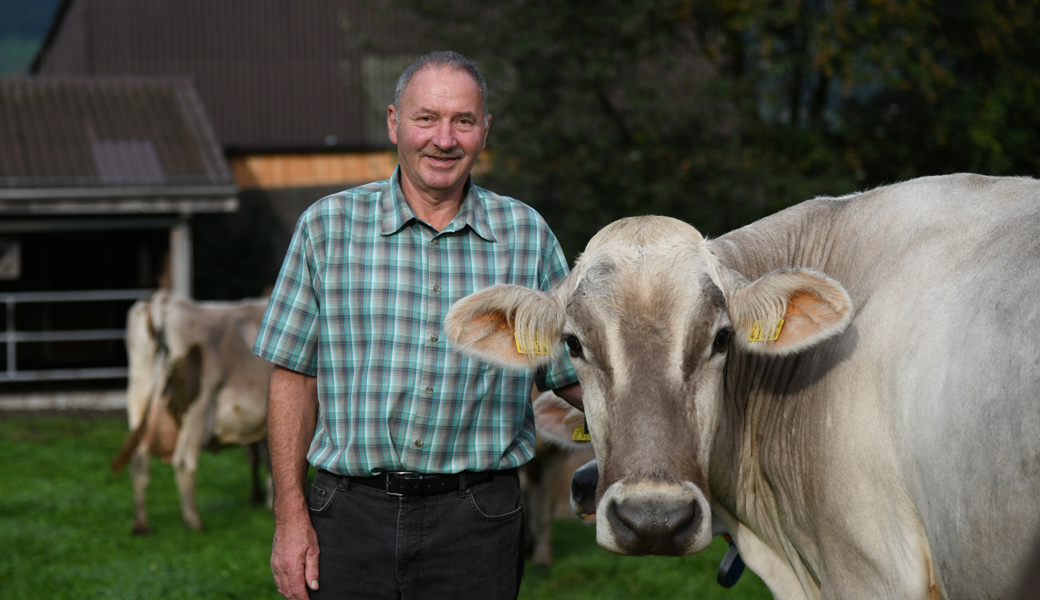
23,24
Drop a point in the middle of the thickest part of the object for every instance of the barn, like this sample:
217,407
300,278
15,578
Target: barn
100,180
114,188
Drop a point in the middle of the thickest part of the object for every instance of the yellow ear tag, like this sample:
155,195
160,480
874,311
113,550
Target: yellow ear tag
581,434
540,347
756,332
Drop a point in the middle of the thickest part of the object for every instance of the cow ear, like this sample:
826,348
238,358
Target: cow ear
789,310
507,325
555,421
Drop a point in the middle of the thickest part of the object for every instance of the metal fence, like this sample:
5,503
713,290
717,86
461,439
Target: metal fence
11,337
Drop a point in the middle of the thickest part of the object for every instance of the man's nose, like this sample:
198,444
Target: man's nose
444,135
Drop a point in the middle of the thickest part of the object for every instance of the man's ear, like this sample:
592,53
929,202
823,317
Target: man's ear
789,310
391,123
487,129
507,325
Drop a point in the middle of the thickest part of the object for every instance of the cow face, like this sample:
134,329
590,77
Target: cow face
648,317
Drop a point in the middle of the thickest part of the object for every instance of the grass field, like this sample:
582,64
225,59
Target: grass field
65,532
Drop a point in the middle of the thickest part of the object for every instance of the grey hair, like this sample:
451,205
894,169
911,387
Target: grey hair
443,59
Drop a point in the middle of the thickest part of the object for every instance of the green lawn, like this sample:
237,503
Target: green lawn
65,532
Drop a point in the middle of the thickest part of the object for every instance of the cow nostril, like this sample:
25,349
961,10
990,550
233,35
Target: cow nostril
655,526
583,489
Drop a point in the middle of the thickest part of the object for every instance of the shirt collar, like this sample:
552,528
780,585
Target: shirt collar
397,212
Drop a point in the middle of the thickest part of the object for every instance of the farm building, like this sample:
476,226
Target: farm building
99,182
291,97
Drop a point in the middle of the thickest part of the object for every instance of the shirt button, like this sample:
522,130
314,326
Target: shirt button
418,443
429,391
437,242
436,288
433,338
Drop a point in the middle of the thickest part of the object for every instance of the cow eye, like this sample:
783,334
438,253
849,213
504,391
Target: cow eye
721,342
573,346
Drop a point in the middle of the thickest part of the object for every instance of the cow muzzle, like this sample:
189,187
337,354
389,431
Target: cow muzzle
583,491
670,519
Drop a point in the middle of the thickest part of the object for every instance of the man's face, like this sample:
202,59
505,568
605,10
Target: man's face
439,131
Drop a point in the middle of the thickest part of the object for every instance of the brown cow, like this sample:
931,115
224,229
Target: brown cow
849,385
193,383
546,479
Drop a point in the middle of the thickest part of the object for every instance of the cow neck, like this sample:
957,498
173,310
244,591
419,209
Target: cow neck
759,443
802,236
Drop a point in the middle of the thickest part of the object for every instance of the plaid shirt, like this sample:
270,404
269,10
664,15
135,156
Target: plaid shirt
360,301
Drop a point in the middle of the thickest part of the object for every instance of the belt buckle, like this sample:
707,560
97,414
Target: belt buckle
388,474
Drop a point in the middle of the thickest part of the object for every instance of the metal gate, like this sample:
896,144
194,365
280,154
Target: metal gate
11,338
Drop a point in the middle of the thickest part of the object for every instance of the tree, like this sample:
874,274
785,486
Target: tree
720,111
886,90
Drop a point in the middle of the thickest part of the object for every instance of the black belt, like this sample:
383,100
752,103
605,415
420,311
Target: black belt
418,484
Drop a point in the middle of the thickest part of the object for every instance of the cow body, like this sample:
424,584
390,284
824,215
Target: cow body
545,479
193,384
886,443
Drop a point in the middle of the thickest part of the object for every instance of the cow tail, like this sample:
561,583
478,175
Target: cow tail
130,444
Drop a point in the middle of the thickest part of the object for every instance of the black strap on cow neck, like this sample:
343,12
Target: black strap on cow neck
732,566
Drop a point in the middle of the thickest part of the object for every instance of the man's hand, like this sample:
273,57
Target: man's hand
572,394
294,558
292,411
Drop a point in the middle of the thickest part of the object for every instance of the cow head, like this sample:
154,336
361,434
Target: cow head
648,315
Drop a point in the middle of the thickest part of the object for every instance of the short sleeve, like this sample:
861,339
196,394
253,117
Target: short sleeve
289,332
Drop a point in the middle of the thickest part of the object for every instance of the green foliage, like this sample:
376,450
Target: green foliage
23,25
611,109
891,90
721,111
65,532
16,52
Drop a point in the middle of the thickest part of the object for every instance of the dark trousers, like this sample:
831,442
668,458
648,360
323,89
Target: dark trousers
456,545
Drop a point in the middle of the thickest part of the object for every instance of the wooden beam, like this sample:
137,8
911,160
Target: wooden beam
304,170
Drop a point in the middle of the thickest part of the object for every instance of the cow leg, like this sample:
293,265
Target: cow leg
541,524
184,472
193,435
538,506
139,479
252,451
554,476
259,459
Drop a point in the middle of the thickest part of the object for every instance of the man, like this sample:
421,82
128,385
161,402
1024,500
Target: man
415,446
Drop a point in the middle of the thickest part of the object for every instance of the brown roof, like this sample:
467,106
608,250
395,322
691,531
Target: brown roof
273,74
96,140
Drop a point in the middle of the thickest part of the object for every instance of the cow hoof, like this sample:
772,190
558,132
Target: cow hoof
141,530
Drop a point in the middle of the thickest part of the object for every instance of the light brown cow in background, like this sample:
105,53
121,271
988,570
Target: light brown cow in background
546,479
193,384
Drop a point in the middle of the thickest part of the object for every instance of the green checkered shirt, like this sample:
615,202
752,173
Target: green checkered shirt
360,303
